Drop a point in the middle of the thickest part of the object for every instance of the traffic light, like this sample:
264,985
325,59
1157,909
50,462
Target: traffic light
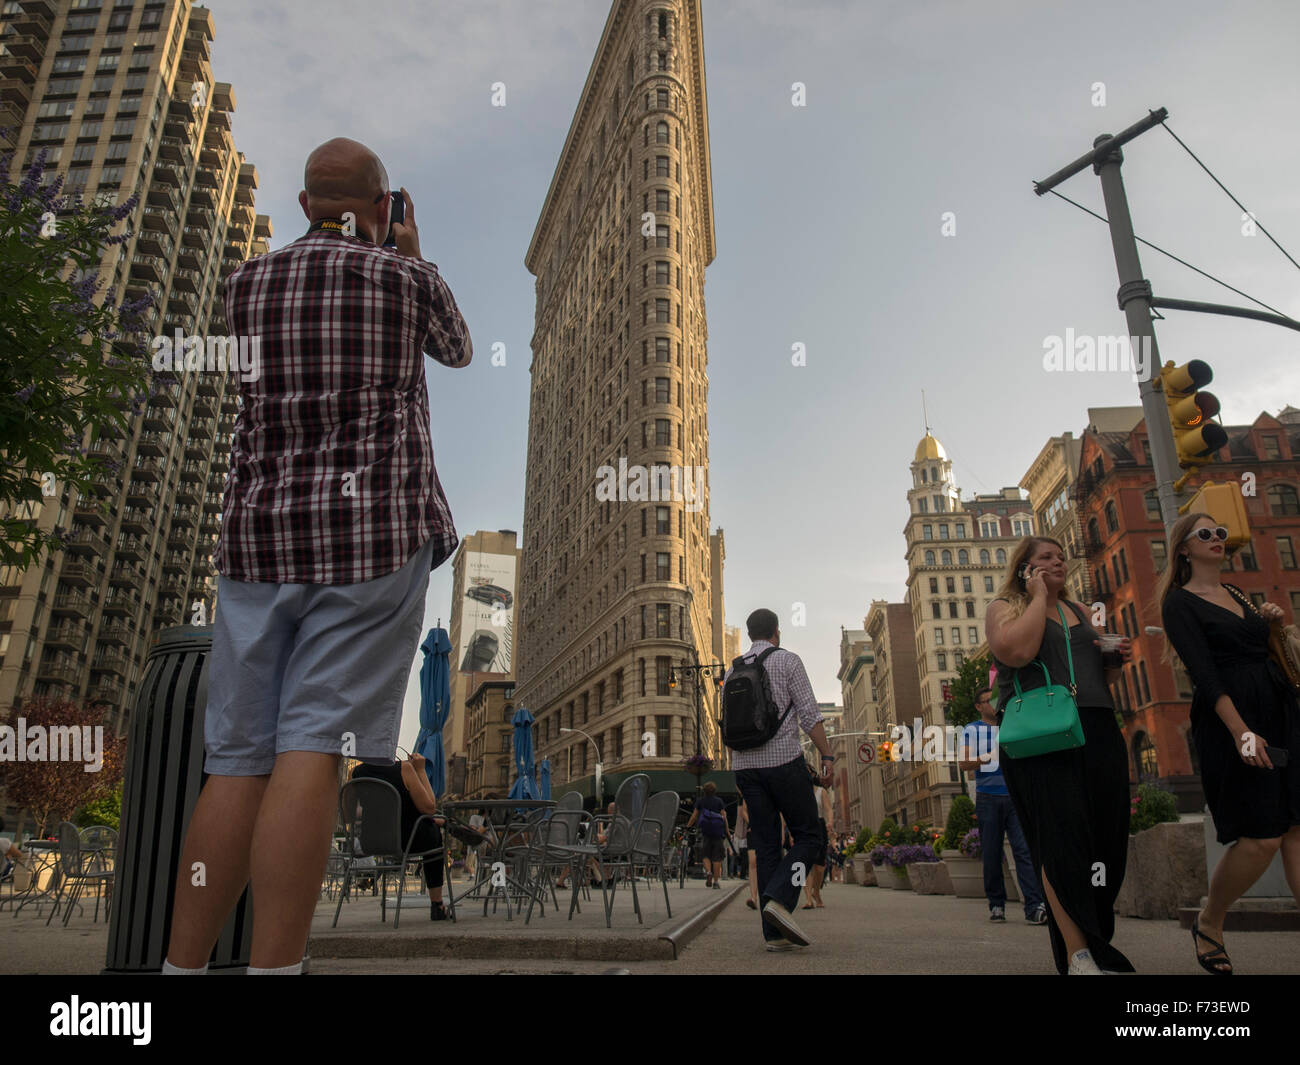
1196,437
1223,502
886,751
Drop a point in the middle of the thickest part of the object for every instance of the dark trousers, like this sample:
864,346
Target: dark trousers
770,794
995,815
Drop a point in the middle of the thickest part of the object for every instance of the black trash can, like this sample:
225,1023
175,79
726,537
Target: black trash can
164,774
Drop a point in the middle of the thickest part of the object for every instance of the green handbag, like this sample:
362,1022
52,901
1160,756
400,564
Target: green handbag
1042,720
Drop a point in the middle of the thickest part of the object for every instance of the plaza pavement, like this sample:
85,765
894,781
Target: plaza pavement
861,931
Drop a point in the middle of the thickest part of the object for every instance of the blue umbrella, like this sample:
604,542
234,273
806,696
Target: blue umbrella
435,706
525,786
544,778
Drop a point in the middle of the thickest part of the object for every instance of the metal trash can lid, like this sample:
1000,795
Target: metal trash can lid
183,638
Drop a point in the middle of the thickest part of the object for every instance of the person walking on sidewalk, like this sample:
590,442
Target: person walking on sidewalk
995,813
332,519
711,812
1072,803
767,699
1245,724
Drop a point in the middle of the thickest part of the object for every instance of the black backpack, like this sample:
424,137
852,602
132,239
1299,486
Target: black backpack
749,717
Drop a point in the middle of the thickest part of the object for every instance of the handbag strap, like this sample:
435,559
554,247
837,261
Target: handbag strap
1242,598
1069,657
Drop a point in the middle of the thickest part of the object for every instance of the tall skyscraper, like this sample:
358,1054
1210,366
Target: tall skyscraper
617,584
121,96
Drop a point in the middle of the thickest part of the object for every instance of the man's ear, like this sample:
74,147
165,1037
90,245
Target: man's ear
302,199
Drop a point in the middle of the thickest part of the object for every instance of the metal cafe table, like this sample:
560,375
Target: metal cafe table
509,833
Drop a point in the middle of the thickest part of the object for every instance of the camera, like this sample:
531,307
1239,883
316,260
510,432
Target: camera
396,213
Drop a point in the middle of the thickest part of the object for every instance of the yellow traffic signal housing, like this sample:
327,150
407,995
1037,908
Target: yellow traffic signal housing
1224,504
1196,437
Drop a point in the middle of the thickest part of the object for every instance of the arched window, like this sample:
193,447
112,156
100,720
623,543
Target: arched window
1282,500
1002,556
963,557
661,133
984,556
946,557
1144,758
1112,516
1094,531
929,558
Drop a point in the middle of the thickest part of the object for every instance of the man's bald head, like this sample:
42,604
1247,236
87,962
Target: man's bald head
342,176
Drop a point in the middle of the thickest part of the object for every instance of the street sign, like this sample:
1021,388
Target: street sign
866,753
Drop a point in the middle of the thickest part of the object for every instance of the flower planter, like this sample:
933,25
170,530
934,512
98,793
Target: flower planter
1166,870
965,874
895,877
865,872
850,873
930,878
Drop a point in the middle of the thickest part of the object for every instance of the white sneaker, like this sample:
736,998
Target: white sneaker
778,915
777,946
1081,964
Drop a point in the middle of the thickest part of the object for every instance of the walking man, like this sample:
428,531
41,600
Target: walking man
995,813
773,778
333,518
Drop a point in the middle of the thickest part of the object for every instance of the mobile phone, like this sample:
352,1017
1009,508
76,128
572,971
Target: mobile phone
1025,571
396,213
1277,755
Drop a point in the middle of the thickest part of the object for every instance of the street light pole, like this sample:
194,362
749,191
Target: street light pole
599,788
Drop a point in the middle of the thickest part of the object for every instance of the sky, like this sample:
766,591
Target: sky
830,225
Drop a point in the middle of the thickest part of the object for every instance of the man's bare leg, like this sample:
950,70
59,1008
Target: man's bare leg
290,846
219,835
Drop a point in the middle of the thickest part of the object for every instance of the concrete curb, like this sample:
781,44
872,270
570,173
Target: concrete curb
692,927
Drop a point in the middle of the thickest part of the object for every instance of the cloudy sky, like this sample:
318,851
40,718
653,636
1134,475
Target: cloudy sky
829,233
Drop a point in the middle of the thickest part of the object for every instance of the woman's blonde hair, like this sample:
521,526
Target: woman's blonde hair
1013,585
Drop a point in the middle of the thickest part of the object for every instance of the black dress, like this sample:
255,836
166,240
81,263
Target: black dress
428,836
1225,653
1074,805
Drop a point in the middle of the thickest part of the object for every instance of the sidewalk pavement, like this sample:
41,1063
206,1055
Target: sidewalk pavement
861,931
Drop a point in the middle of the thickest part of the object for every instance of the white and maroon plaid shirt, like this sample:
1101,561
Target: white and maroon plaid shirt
790,684
332,479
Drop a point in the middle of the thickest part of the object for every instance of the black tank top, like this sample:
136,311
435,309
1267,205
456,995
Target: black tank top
1089,674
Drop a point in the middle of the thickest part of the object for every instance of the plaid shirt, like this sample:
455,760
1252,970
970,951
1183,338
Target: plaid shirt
332,479
790,684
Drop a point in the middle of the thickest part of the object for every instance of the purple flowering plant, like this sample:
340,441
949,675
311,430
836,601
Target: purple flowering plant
74,362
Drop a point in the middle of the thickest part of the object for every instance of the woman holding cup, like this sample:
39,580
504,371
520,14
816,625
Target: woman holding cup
1245,724
1073,804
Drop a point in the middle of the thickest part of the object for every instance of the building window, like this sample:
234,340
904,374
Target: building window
1286,552
663,566
945,556
1002,556
973,635
988,584
661,133
934,585
641,674
1112,516
936,608
662,620
661,166
943,532
989,528
1152,501
927,532
1271,449
938,636
924,505
1247,556
970,608
951,584
952,610
957,659
929,558
941,659
965,585
663,667
1283,501
985,559
963,558
663,432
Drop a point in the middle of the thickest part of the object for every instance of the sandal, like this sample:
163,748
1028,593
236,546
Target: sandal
1210,962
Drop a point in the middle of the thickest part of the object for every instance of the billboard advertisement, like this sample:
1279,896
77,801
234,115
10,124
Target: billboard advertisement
487,619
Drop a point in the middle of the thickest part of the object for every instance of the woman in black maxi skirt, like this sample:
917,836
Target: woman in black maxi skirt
1073,805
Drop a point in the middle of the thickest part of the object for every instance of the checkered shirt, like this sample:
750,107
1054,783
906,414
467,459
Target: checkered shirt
789,681
332,478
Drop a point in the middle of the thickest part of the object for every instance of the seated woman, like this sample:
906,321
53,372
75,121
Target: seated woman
412,784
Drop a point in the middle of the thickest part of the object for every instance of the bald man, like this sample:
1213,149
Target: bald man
332,519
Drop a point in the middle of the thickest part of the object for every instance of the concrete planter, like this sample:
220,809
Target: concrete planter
1166,871
866,872
894,877
930,878
850,873
965,874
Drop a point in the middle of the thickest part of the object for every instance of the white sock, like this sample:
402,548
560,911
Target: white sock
168,969
288,970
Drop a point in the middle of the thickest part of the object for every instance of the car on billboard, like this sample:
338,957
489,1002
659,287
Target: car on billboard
493,595
480,652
